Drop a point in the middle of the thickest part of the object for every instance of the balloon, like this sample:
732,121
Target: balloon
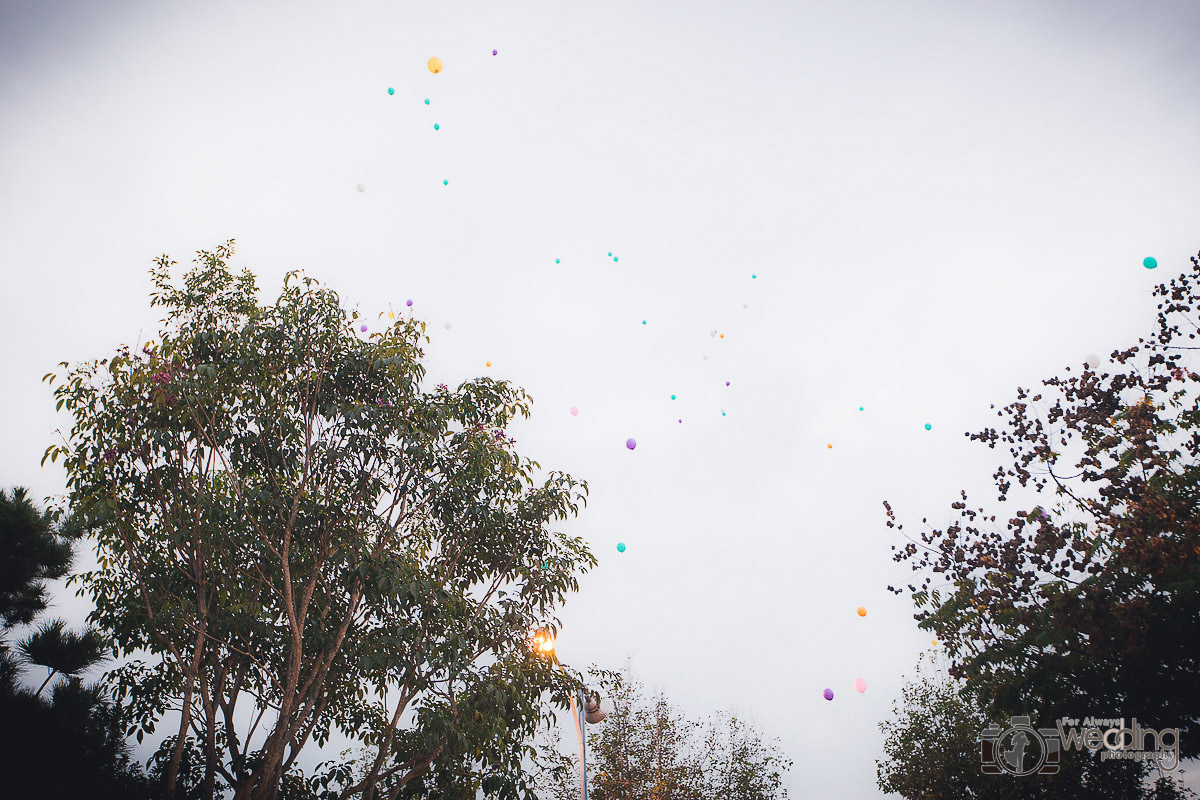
643,322
574,411
437,127
1149,262
862,611
487,363
933,642
426,101
754,275
445,183
680,422
860,408
672,397
828,693
726,383
722,412
391,315
610,255
860,685
434,64
631,443
616,259
830,446
362,187
1093,361
928,427
620,547
556,261
447,326
493,52
408,302
722,336
712,334
745,305
363,329
391,90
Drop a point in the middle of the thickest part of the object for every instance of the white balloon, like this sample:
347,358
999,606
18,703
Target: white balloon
447,326
1093,361
362,187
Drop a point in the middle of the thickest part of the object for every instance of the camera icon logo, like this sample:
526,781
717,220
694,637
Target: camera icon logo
1019,749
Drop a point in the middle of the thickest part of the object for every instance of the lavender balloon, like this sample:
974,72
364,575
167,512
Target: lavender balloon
631,443
828,694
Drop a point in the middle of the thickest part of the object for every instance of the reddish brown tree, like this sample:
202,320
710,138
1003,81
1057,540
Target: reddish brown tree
1085,599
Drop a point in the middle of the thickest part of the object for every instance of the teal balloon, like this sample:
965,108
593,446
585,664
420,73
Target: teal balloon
426,101
928,427
620,547
643,322
1149,262
556,261
610,255
436,127
445,183
672,397
616,259
755,275
860,408
391,90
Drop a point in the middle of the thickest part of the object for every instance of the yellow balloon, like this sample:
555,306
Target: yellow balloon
391,315
435,65
488,364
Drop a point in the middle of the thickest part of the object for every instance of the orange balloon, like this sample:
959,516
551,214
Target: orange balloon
862,611
435,65
829,446
487,363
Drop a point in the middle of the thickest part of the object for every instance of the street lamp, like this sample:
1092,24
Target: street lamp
586,710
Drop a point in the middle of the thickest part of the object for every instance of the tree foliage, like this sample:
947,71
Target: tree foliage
1086,599
932,751
648,750
65,722
295,536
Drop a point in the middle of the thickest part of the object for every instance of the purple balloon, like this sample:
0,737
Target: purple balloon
631,443
409,302
363,329
493,52
828,694
726,383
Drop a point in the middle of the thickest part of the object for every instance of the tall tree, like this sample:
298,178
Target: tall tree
1087,600
287,518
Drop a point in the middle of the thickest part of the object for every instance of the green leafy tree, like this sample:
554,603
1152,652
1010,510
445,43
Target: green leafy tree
295,536
932,751
647,750
62,723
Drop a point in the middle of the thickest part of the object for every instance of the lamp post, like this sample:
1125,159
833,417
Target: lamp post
579,710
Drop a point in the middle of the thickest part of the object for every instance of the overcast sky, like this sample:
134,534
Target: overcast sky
940,200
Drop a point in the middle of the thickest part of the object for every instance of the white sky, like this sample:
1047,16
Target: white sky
941,201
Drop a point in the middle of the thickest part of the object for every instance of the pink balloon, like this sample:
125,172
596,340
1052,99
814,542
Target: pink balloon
574,411
860,685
